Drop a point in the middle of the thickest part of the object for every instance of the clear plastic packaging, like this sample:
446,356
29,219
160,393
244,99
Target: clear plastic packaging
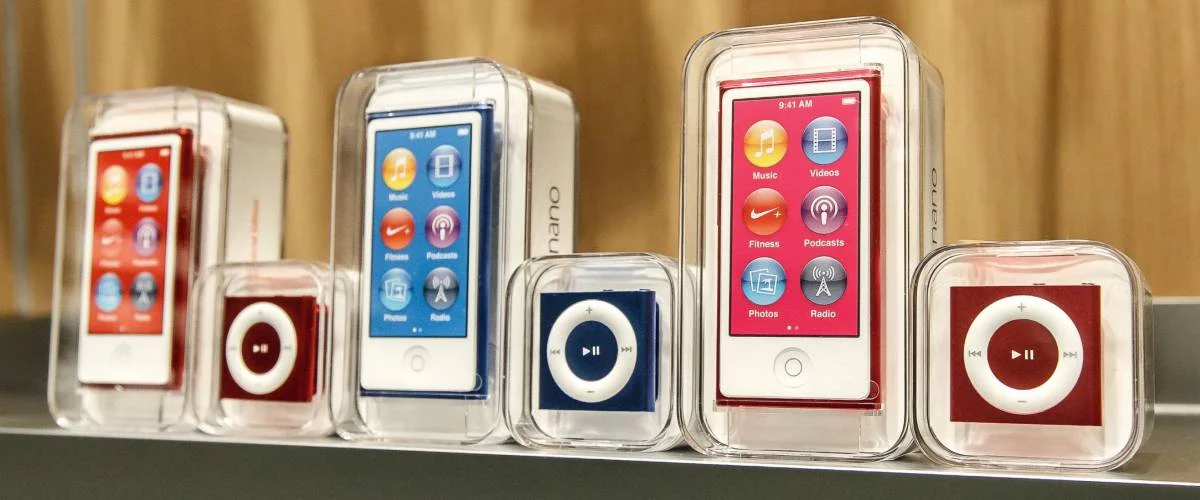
482,158
590,361
794,331
266,369
155,186
1032,355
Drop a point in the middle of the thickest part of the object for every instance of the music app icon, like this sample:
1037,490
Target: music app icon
765,143
399,169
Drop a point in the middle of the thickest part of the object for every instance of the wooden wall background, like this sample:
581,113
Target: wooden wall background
1072,118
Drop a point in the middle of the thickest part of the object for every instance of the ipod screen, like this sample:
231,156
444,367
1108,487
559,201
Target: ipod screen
796,227
421,214
129,227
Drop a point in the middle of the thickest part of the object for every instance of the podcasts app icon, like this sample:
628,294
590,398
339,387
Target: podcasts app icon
765,143
442,226
824,209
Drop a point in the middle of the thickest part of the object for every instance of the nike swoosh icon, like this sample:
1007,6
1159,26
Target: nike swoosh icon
755,215
391,231
108,240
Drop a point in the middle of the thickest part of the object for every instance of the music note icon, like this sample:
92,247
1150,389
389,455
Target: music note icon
401,171
398,169
765,143
762,140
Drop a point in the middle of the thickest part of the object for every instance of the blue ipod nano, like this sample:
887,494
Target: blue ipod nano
419,276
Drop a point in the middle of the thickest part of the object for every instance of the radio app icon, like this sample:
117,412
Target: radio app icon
824,280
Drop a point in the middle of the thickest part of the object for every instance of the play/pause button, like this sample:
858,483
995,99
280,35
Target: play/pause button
1023,354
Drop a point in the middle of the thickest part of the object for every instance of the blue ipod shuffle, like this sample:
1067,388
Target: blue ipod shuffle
592,351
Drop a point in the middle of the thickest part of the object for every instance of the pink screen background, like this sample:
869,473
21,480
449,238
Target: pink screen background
794,182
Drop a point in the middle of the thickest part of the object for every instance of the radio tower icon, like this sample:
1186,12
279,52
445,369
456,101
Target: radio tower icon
824,281
824,275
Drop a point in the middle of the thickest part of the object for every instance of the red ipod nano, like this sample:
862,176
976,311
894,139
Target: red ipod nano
129,263
811,320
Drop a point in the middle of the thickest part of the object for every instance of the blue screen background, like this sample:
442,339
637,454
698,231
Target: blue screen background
417,318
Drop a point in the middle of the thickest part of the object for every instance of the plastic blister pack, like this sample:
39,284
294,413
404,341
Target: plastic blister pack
447,175
266,369
811,189
591,356
155,186
1032,355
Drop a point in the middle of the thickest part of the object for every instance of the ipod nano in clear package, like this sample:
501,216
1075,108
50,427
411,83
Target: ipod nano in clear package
155,186
266,367
590,359
447,176
1032,355
811,190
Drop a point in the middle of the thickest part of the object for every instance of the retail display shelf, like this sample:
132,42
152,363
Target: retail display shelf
39,459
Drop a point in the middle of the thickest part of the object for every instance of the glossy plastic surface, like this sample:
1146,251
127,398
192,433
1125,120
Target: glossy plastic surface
233,158
906,196
269,375
1055,371
572,291
529,179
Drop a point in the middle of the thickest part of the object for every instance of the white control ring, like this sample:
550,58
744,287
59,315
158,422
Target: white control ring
1054,389
592,391
261,383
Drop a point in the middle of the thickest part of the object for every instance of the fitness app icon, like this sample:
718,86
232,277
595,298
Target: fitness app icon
443,166
399,169
824,209
824,280
763,281
824,140
764,211
442,226
765,143
396,229
109,238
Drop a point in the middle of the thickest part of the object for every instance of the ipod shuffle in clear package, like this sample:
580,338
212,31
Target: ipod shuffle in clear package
1032,355
591,352
155,186
812,187
447,176
266,368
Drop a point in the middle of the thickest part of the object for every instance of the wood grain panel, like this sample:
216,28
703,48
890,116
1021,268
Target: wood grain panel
1129,116
999,117
6,276
1064,119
